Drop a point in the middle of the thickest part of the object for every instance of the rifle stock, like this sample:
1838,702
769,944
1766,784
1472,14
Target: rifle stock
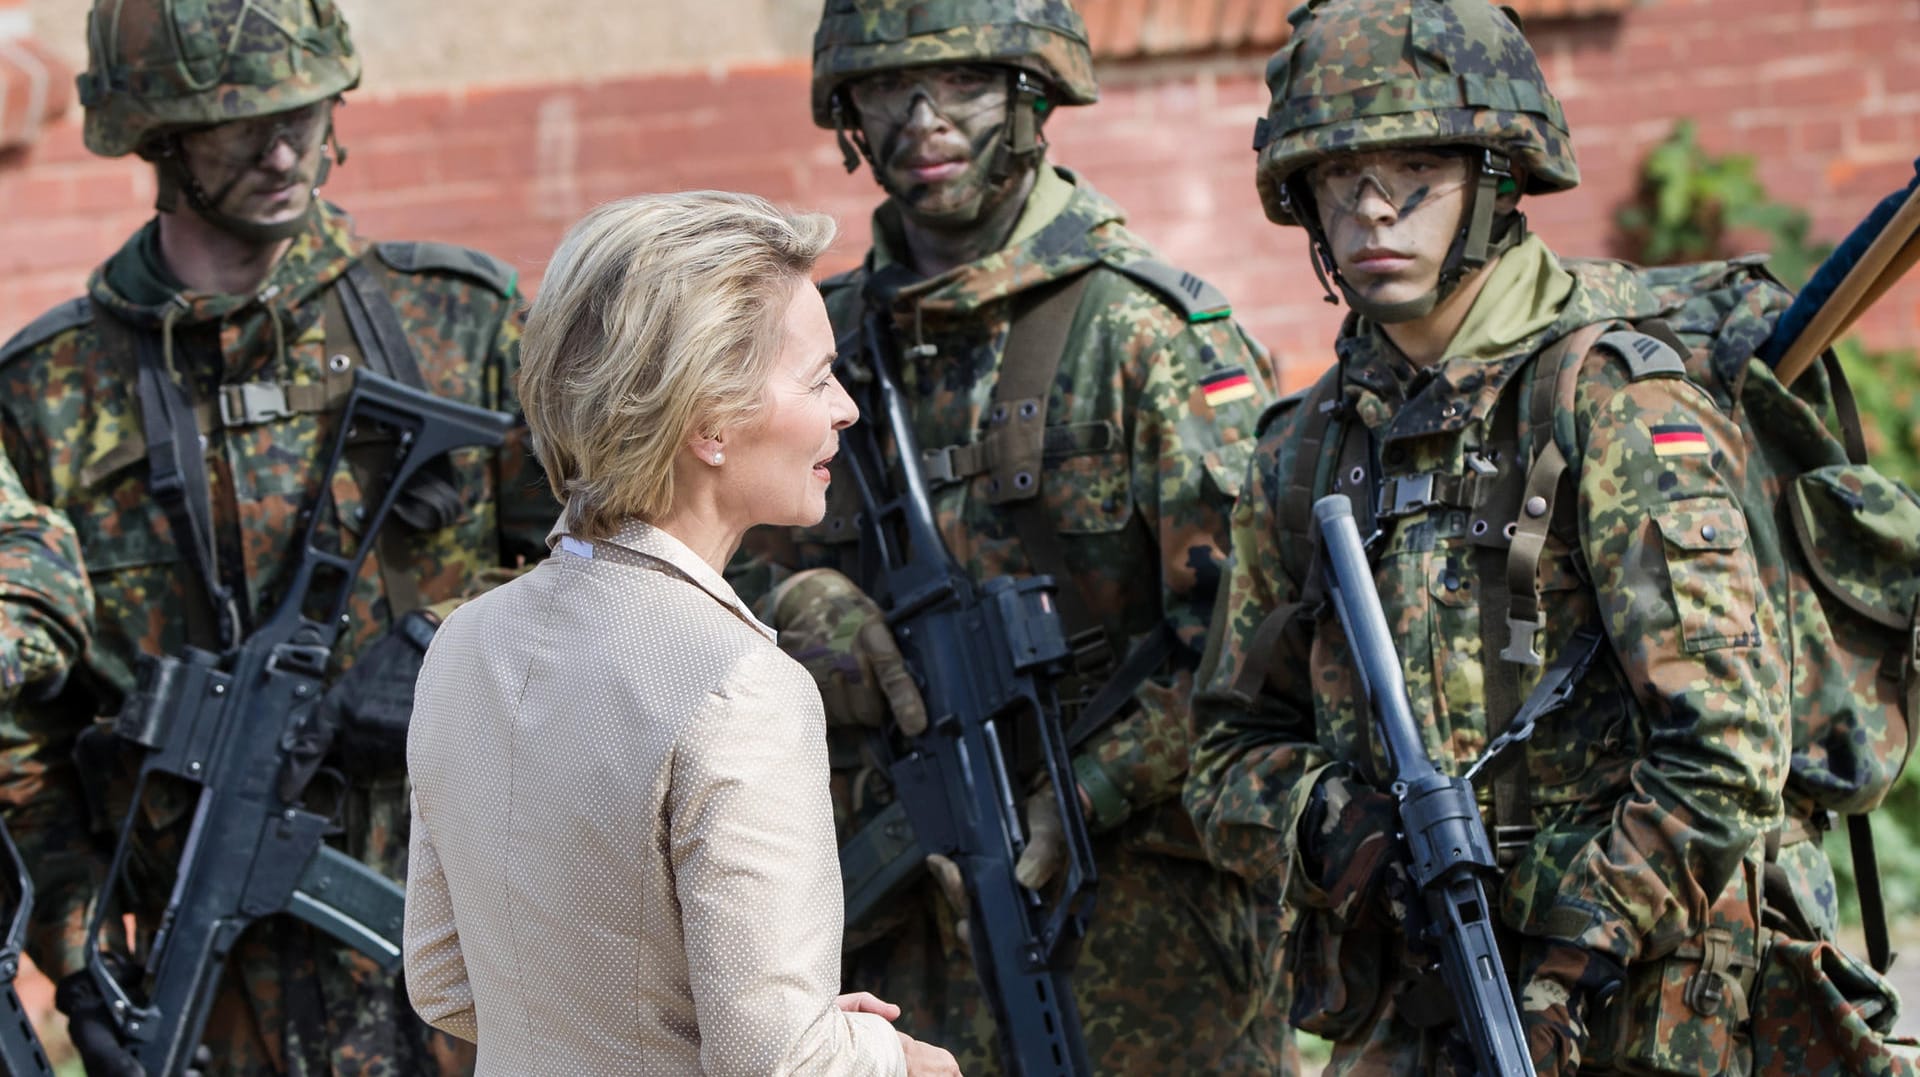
985,656
224,724
1451,856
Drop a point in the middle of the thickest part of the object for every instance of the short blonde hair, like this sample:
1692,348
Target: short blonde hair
658,312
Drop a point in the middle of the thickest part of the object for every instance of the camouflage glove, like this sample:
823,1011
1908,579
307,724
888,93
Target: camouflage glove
834,630
1350,835
1560,983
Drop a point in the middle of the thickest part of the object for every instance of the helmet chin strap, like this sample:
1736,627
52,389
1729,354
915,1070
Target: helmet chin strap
1480,240
1026,103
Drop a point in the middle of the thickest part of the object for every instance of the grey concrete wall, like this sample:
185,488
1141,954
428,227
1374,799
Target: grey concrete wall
419,44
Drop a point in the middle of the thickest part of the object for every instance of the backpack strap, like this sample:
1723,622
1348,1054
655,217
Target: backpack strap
1014,445
1548,396
1312,471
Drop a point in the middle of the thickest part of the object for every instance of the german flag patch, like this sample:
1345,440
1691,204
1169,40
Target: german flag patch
1226,386
1679,440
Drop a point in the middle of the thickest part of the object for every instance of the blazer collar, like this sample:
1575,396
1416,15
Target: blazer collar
642,544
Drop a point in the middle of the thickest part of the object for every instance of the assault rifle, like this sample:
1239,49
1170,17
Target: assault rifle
1451,855
20,1053
985,656
229,724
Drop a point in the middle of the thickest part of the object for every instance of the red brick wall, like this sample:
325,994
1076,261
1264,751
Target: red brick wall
1825,95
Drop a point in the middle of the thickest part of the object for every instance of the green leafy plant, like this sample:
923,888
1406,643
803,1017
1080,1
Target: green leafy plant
1690,205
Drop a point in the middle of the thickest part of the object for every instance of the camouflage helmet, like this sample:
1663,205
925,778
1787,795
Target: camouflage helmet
1375,74
155,66
861,37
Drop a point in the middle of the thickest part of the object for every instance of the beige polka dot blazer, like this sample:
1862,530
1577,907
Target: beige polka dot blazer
623,855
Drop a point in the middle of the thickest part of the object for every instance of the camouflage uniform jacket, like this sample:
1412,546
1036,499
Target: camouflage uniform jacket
47,622
1139,480
1647,789
71,424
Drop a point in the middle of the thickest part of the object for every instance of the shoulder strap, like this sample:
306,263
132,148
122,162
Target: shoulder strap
69,315
1014,443
177,480
1313,464
412,257
1197,300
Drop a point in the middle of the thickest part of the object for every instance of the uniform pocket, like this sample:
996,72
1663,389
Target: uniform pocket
1710,572
1688,1012
1227,465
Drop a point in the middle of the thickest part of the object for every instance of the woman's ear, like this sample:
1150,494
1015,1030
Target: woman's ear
710,449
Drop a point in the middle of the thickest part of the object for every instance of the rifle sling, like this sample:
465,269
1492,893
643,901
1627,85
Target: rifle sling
1142,662
177,480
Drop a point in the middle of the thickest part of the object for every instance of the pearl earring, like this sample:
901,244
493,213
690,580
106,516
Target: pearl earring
718,459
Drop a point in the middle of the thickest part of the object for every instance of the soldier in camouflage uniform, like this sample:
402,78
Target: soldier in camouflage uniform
1138,439
47,622
257,301
1401,137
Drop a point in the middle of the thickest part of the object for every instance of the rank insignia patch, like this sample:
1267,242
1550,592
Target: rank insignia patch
1679,440
1226,386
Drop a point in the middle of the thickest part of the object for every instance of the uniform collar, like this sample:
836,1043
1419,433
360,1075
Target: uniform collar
1461,389
638,543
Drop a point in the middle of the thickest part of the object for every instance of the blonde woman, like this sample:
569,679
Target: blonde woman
623,855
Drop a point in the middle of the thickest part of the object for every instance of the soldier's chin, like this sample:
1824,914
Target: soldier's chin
952,204
275,209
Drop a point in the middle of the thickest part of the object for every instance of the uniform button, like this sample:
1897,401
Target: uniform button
1111,504
1709,532
1536,506
1450,581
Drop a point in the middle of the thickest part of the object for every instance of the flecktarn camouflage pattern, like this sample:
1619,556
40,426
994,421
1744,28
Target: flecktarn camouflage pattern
1647,793
861,37
46,619
1148,427
160,65
46,605
294,1003
1373,74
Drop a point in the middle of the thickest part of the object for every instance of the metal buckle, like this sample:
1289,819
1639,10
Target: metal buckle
937,465
252,403
1404,494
